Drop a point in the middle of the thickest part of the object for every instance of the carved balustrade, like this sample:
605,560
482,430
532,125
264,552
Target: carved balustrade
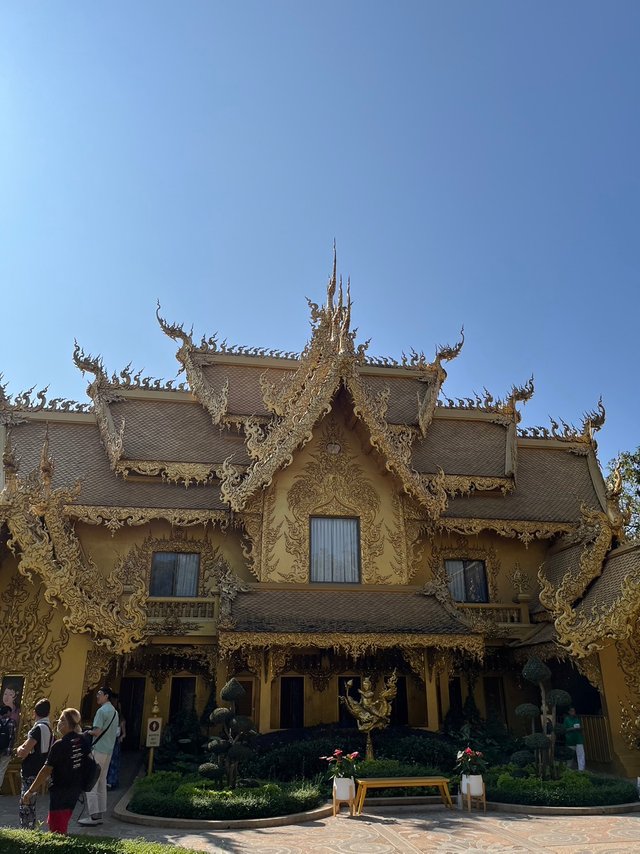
187,608
497,613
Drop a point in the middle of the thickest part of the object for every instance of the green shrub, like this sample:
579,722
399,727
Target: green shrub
395,768
572,789
34,842
422,750
211,772
195,798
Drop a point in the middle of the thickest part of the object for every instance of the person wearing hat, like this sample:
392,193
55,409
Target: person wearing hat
104,733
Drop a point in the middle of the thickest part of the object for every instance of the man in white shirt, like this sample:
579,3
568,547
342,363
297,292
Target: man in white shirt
104,733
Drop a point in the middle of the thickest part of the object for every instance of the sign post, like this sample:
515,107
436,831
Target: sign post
154,731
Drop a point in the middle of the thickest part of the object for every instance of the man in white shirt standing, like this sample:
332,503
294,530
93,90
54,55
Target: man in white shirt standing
104,732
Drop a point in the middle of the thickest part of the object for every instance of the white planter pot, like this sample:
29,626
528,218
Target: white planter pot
344,788
472,784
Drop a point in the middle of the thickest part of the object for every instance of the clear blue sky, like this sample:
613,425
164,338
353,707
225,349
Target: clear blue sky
477,163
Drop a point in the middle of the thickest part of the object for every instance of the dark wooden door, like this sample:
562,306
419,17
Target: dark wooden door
131,706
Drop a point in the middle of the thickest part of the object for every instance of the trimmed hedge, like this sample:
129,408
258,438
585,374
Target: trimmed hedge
295,754
394,768
573,789
34,842
173,796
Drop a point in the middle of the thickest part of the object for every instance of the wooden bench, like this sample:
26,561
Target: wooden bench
366,783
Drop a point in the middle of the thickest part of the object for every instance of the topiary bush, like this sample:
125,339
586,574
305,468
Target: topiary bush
233,744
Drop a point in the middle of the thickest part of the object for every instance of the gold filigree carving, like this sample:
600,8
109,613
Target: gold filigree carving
99,662
591,423
114,518
590,669
31,639
464,485
252,542
214,402
415,658
584,633
186,473
11,407
101,393
355,645
48,547
330,361
279,660
163,661
525,531
333,484
519,580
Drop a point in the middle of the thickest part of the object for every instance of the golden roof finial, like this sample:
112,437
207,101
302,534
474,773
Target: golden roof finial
333,281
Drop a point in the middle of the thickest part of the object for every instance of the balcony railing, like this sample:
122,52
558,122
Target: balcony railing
497,613
187,608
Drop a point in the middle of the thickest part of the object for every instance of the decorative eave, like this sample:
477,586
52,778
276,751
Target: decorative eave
34,515
525,531
170,472
114,518
355,645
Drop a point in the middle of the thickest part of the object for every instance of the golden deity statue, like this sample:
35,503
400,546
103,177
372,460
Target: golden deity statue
369,711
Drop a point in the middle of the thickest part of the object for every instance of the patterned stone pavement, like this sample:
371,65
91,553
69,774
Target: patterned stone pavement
382,830
386,830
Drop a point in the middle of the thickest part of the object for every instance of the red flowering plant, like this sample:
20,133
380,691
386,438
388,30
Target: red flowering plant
470,762
341,764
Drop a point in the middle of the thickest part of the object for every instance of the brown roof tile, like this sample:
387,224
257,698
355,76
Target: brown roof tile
245,393
607,588
462,447
551,485
172,431
78,454
404,396
351,611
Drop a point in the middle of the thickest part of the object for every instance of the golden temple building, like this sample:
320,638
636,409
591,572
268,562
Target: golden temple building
298,520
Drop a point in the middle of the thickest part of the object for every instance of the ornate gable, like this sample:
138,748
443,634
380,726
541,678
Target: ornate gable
331,361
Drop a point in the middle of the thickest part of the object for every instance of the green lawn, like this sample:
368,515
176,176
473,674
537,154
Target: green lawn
35,842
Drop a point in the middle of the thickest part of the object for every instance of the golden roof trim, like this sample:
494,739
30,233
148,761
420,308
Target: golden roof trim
170,471
115,518
353,644
526,531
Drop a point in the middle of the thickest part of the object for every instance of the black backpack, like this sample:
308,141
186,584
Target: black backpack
90,772
5,734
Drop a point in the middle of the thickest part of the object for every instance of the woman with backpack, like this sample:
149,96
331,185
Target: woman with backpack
33,752
65,766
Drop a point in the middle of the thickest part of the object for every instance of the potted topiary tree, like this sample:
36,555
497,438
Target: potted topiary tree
233,744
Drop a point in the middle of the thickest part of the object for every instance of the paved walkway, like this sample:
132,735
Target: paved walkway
383,831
